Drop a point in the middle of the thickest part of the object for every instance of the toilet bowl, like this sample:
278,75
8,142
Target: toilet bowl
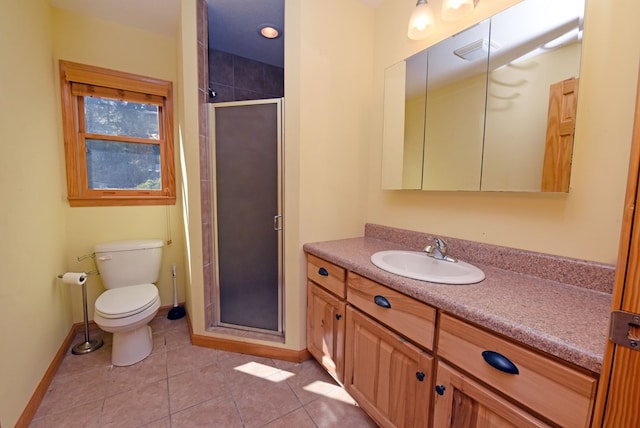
128,270
125,312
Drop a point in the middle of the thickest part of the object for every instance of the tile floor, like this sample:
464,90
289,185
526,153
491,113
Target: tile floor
181,385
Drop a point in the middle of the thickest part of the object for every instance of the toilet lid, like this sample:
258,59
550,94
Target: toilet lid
125,301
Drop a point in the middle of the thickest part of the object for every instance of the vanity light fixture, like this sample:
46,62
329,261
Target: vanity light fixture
422,21
452,10
269,31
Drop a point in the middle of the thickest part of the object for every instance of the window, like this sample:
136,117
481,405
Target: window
118,137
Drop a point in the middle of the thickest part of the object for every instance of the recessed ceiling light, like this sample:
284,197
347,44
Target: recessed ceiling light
269,31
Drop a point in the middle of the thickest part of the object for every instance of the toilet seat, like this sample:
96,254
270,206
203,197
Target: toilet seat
126,301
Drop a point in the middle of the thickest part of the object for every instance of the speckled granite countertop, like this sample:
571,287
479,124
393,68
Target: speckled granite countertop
564,320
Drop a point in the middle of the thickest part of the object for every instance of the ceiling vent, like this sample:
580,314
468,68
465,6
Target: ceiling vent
476,50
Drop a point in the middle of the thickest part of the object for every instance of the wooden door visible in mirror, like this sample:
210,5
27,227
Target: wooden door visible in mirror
561,124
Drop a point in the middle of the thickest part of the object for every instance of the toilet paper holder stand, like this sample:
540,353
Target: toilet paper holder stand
89,345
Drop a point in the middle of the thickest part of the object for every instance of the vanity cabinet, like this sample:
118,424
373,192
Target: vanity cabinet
326,292
549,388
389,377
408,364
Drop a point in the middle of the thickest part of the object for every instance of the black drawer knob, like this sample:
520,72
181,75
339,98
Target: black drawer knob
323,272
420,376
440,389
500,362
382,301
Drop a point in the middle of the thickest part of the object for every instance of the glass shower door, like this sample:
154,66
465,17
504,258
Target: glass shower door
247,206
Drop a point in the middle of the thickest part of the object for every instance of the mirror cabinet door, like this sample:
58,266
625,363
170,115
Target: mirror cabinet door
456,92
534,54
403,126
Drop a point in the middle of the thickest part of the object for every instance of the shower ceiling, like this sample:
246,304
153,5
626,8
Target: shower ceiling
234,28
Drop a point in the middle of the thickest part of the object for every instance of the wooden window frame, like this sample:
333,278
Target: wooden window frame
78,80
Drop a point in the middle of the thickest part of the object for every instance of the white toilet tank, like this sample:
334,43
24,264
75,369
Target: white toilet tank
125,263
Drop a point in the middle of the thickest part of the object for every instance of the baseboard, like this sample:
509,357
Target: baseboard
32,406
36,399
259,350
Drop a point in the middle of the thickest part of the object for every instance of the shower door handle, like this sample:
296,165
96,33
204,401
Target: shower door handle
276,224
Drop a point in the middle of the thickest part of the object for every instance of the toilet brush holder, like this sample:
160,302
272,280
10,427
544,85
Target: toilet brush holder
89,345
176,312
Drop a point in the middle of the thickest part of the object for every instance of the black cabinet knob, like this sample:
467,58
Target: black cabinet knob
420,376
338,316
323,272
440,389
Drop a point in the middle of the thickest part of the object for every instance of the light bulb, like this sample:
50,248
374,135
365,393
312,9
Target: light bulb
421,23
453,10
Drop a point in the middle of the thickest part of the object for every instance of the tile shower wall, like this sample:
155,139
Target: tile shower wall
234,78
205,180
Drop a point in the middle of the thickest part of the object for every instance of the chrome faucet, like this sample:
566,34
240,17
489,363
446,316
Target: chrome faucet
439,250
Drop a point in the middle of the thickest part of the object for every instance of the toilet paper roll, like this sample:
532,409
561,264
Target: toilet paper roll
78,278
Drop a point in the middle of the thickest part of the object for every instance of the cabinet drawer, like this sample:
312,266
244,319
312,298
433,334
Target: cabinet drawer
409,317
555,391
327,275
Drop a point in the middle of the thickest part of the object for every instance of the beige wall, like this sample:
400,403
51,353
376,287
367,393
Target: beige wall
36,312
328,121
42,235
190,156
583,224
98,42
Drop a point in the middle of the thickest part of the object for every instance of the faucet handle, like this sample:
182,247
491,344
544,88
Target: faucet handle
440,243
439,250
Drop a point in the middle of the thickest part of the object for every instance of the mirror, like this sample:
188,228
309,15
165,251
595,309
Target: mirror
405,91
500,120
456,92
519,97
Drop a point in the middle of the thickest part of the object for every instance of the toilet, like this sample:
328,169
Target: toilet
128,270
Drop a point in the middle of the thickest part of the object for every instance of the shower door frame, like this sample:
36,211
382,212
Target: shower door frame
278,220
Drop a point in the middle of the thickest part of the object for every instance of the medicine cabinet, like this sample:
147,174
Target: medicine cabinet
491,108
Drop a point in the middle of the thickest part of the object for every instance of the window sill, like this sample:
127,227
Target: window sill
121,201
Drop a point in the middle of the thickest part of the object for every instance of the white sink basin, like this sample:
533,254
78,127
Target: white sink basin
418,265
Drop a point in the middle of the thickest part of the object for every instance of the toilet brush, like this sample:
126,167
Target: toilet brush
176,312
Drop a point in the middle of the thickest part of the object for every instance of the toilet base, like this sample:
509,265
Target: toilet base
132,346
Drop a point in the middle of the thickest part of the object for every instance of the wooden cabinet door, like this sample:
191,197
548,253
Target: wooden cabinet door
325,329
462,403
388,377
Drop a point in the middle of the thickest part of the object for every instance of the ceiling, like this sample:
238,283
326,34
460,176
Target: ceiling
158,16
232,23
